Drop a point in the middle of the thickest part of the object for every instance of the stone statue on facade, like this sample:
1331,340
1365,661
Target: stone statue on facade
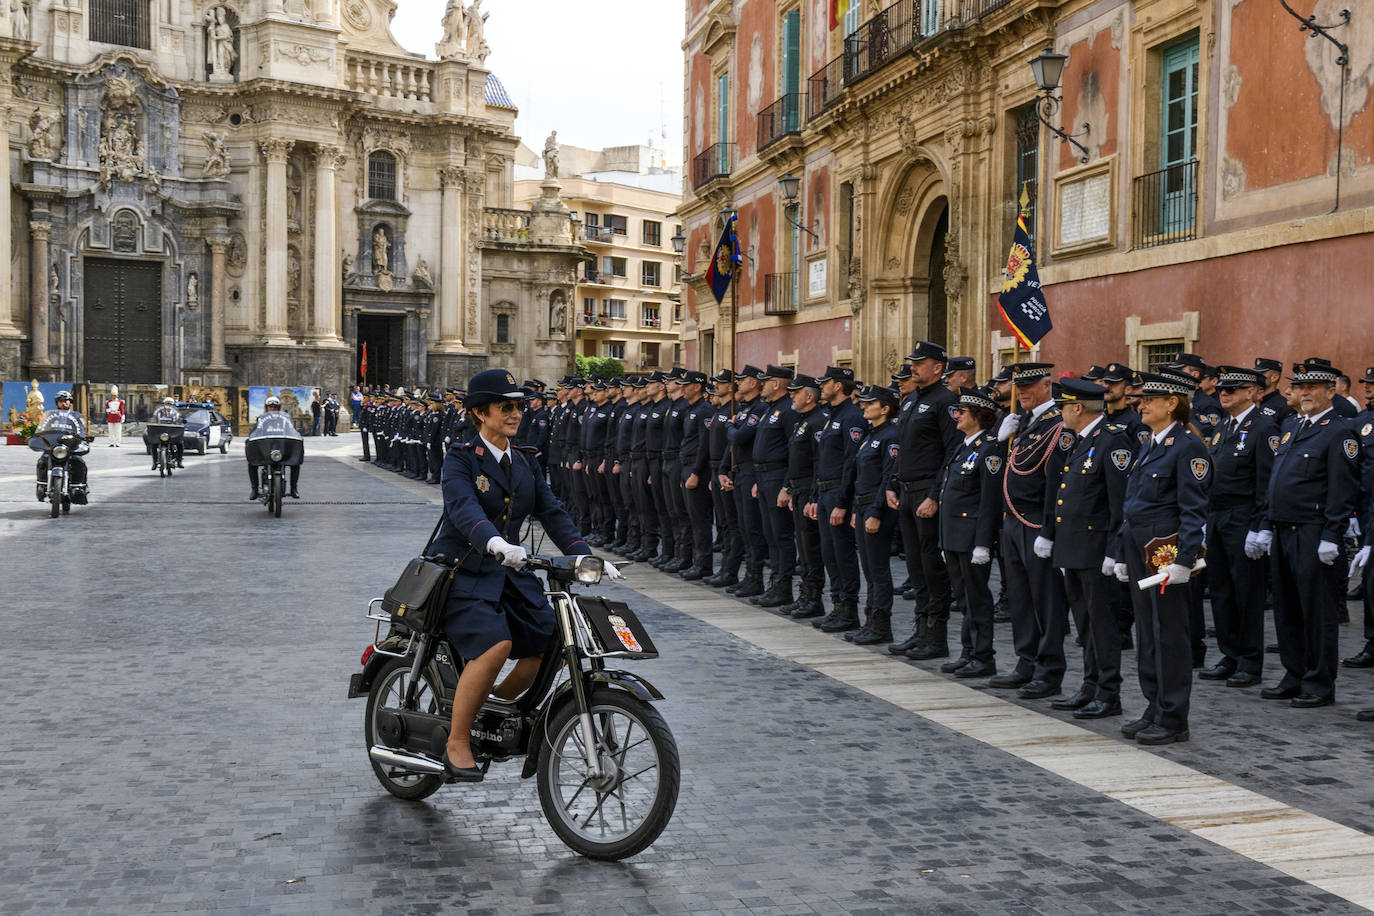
558,319
19,19
45,135
477,46
122,154
551,156
219,45
217,160
54,283
192,291
421,276
381,246
346,263
451,46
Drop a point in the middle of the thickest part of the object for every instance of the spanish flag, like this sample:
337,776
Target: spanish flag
1022,302
837,10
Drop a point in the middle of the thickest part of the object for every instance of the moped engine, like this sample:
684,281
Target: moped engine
498,735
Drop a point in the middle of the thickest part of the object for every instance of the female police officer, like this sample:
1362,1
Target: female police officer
874,521
495,610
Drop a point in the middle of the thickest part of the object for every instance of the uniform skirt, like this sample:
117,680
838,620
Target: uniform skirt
474,625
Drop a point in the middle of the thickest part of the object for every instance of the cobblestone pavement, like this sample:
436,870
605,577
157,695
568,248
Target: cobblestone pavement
177,739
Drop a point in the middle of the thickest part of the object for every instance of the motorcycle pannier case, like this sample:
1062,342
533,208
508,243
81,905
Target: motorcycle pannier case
417,599
617,628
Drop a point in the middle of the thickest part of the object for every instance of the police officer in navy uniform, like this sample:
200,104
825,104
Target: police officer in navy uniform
655,432
1243,446
1166,496
799,491
643,495
723,503
1364,429
434,434
970,516
1272,402
627,523
874,521
750,409
770,465
495,610
695,458
844,429
1206,410
1313,492
1082,517
362,421
928,436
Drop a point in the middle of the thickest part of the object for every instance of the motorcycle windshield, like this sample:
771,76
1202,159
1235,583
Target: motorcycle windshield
67,422
274,426
167,416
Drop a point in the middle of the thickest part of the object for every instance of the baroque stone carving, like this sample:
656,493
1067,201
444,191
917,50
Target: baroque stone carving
857,291
358,15
237,258
305,55
381,247
421,277
217,159
219,45
45,135
551,156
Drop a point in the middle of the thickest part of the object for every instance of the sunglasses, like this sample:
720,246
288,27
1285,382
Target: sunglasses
512,406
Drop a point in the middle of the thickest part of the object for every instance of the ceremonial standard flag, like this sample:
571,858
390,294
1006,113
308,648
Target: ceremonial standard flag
1022,302
723,261
362,365
837,10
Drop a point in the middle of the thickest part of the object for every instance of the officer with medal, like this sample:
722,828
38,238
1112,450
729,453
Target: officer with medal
724,509
1313,492
970,516
1360,565
874,522
798,492
844,429
1243,446
1082,517
750,408
1166,502
696,473
434,434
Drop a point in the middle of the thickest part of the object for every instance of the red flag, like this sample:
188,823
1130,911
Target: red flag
363,365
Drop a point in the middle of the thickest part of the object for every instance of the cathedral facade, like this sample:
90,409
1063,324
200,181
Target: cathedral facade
247,192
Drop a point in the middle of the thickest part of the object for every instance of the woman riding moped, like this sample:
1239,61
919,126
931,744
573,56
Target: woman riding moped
496,610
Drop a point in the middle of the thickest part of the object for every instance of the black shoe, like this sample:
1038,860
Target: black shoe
950,667
928,650
808,609
1279,693
1218,672
1135,727
1308,701
1158,734
875,635
1242,679
695,573
836,622
1127,641
1098,709
1364,660
976,669
1365,715
1038,690
1009,680
1082,698
256,495
294,495
461,774
1272,649
854,634
1001,617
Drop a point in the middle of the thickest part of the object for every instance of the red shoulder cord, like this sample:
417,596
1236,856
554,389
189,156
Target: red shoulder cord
1021,470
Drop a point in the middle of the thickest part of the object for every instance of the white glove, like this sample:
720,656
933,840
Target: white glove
1327,552
1360,560
1009,427
1352,530
1178,574
512,555
1108,566
1264,540
983,556
1252,548
609,571
1122,574
1043,548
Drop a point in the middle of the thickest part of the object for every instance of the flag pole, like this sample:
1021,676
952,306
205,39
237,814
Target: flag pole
1025,211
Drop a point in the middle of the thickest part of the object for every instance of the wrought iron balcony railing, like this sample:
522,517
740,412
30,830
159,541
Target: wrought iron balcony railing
781,118
714,162
780,294
1164,206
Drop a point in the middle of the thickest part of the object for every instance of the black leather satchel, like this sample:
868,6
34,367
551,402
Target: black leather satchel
417,599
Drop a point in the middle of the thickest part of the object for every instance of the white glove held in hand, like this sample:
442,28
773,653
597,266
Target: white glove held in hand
1327,552
610,572
1252,548
1108,566
1352,530
1360,560
1264,540
1178,574
1043,548
983,556
1122,574
1009,427
512,555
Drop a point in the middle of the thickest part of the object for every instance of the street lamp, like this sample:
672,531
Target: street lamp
790,186
679,241
1048,69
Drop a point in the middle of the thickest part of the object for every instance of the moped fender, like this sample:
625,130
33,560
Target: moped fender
615,679
361,683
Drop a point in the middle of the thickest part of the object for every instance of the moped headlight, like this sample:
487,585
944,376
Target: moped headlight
589,570
60,452
275,454
164,437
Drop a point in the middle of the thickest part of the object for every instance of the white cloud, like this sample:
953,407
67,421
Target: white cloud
600,72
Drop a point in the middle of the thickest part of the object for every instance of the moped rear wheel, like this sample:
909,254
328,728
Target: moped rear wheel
388,692
623,811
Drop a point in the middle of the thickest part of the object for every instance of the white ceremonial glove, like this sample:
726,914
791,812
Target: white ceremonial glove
982,556
1009,427
1352,530
1122,574
1264,540
1178,574
609,571
1327,552
1252,549
512,555
1108,566
1043,548
1360,560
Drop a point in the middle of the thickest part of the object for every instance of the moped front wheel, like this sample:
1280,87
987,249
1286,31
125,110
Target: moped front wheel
388,692
278,492
55,497
623,810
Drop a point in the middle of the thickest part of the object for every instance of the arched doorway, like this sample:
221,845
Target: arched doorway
937,303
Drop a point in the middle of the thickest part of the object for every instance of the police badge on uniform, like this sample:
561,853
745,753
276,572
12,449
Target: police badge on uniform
1286,436
1367,429
953,412
892,450
1199,467
1274,444
1352,449
994,463
1143,436
482,484
1066,441
1121,457
855,433
923,408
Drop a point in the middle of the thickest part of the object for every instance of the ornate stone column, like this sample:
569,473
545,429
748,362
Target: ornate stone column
451,257
324,318
275,151
7,328
40,228
219,247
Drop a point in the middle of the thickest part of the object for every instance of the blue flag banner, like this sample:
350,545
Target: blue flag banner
723,260
1022,302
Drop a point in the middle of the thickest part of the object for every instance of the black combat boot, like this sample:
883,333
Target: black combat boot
809,604
725,577
936,643
782,594
752,584
843,617
918,636
766,593
879,629
863,630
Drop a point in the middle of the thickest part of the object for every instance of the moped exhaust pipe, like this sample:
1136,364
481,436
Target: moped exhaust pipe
389,757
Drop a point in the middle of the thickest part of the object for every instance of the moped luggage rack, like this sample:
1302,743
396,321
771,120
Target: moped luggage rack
383,617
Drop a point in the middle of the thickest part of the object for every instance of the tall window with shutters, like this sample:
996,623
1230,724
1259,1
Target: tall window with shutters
121,22
791,71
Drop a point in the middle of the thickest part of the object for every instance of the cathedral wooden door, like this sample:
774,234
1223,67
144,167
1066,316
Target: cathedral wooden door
123,321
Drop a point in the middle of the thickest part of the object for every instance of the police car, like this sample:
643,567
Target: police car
206,428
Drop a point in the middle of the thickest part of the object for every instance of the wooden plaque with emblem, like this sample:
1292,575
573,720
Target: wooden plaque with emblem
1162,552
